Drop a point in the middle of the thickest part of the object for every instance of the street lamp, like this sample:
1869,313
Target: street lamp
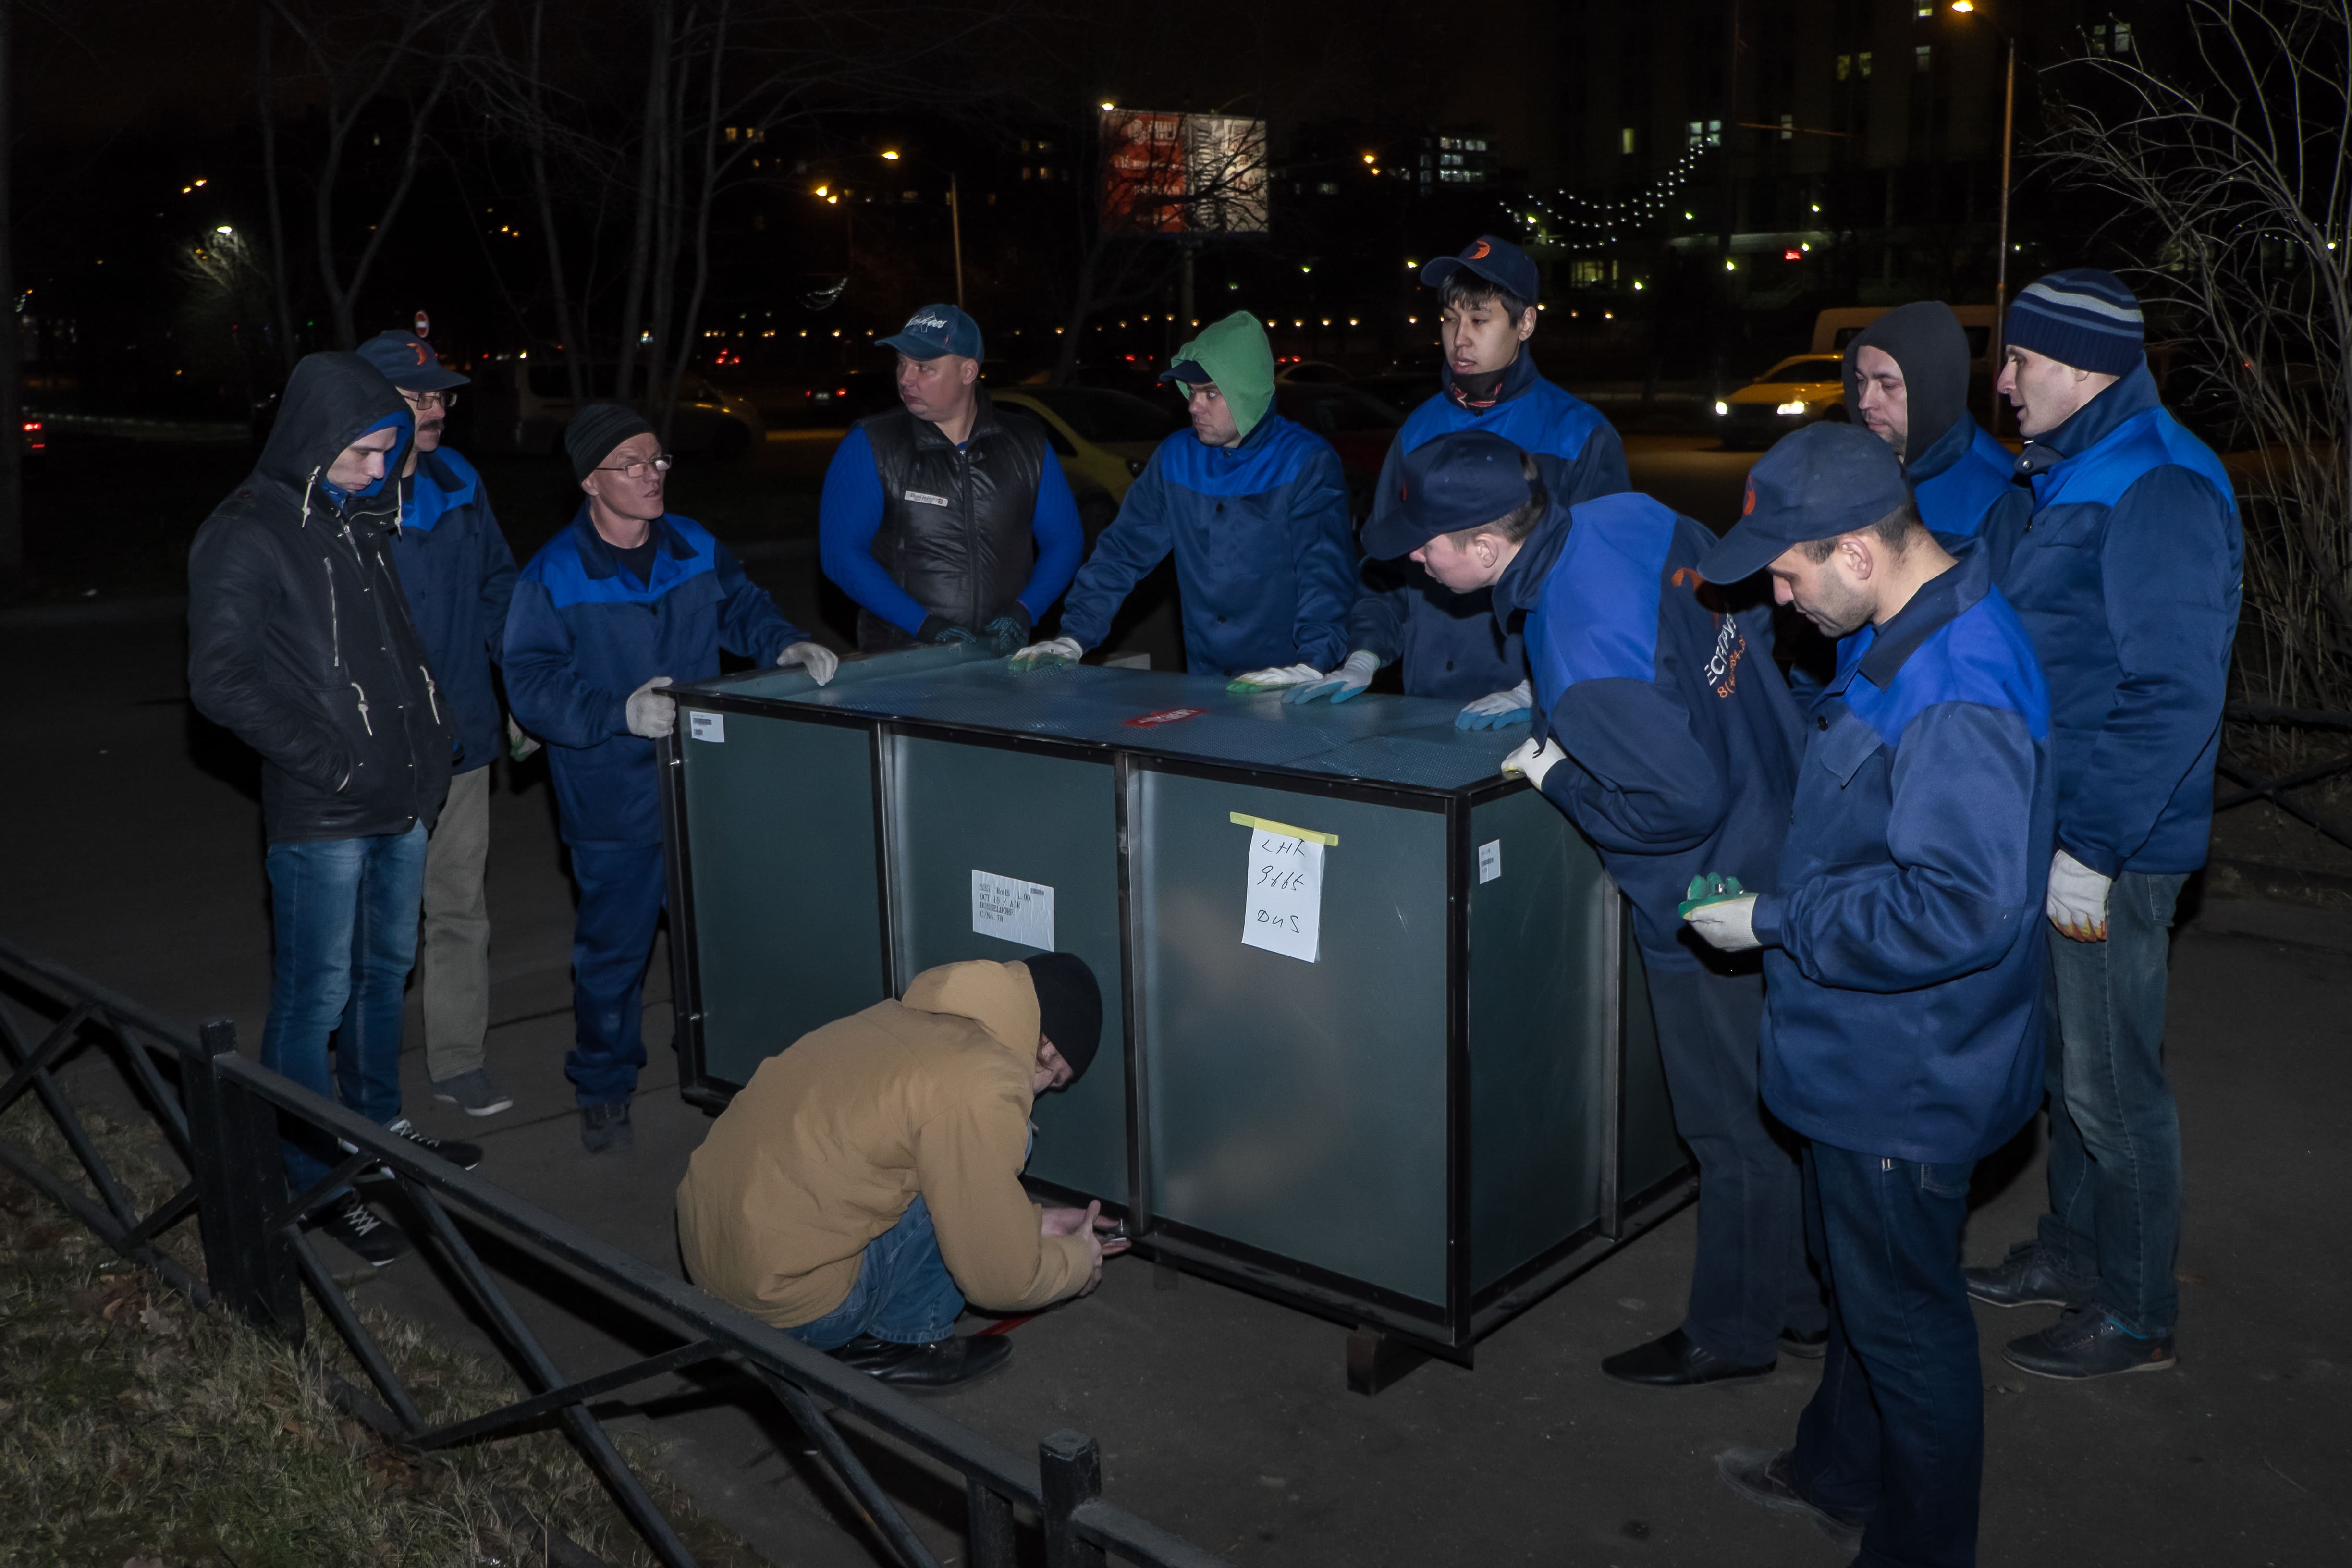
955,213
2001,261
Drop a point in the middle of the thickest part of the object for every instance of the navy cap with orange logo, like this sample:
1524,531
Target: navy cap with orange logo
1815,483
409,363
1498,261
1464,478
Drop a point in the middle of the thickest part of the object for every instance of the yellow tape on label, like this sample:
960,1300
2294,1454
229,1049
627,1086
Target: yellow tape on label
1284,828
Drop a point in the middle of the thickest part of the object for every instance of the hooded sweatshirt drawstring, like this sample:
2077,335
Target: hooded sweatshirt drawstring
363,707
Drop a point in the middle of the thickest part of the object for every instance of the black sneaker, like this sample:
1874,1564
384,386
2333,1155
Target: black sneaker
2023,1280
2087,1343
365,1232
464,1156
606,1128
1766,1478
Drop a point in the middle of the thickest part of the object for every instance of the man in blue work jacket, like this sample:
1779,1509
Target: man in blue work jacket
929,511
458,572
628,600
1451,644
2126,572
1904,972
1672,750
1907,380
1255,509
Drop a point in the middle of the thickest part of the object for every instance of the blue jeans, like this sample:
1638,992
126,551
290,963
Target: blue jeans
2115,1137
344,913
1894,1435
620,903
1749,1279
903,1292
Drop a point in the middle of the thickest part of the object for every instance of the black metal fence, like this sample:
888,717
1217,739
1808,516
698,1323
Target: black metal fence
223,1122
2281,791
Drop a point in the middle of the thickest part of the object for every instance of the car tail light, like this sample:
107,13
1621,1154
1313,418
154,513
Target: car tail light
841,392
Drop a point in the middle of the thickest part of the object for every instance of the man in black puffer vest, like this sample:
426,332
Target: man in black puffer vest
930,511
301,645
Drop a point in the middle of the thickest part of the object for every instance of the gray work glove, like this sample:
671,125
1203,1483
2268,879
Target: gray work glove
1054,652
650,714
1497,709
1349,680
819,660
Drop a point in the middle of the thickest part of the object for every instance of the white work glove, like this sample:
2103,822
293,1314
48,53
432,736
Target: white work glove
2077,901
649,713
1531,761
1497,709
1727,925
1349,680
519,745
1054,652
819,660
1273,677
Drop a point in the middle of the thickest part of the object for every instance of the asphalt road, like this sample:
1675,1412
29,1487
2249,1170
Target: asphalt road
134,854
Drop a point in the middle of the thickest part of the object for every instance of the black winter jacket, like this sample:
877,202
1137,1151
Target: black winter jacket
300,640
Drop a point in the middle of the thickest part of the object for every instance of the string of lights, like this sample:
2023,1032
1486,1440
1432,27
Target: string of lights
1572,216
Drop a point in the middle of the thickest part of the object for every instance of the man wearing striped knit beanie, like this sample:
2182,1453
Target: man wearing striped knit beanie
2125,573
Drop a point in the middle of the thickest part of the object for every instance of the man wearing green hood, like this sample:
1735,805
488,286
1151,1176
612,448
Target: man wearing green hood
1255,510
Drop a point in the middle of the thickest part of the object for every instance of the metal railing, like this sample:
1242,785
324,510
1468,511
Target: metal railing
2279,791
224,1125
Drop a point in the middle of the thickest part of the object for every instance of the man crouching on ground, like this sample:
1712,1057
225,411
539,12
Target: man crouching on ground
866,1182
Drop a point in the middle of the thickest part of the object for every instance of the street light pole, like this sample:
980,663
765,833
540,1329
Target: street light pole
2001,263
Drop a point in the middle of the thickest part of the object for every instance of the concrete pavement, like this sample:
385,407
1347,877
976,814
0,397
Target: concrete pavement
134,856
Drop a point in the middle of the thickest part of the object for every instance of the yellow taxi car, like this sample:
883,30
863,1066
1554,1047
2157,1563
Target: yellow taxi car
1102,438
1798,391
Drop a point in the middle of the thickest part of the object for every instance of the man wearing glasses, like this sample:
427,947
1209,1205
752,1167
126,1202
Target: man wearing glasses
628,599
457,572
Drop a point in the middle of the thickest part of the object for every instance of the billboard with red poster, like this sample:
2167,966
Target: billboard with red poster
1182,174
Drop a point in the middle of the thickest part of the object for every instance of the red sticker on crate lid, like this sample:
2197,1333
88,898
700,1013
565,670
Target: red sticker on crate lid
1165,716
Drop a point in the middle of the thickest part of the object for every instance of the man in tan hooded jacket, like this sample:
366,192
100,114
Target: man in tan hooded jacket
866,1182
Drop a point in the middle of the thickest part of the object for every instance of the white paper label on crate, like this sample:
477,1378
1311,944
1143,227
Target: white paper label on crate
1012,908
1284,901
1490,860
706,726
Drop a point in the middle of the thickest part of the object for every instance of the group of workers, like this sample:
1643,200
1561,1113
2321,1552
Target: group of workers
1889,905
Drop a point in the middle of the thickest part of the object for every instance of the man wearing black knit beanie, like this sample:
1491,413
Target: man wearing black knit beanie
865,1183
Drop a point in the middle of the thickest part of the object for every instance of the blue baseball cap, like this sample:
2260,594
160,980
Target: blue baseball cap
409,363
1815,483
936,329
1498,261
1461,479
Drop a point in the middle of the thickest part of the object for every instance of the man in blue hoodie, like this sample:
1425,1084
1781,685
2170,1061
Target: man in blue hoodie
628,600
1254,509
1451,644
1672,750
458,574
1904,971
2126,572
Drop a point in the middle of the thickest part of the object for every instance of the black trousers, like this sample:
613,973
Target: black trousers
1750,1278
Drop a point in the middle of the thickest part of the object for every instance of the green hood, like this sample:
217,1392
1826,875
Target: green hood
1239,360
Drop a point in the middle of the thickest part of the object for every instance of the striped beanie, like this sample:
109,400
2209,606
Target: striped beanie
2082,317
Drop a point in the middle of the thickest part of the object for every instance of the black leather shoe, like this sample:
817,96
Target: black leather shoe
1767,1479
942,1363
1805,1347
1675,1362
2023,1280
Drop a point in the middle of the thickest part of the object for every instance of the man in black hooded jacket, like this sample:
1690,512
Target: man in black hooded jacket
1906,377
300,644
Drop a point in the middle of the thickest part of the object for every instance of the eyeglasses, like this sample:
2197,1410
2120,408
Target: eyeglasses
430,399
634,468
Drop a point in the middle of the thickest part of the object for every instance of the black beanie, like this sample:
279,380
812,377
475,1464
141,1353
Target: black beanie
595,430
1069,1007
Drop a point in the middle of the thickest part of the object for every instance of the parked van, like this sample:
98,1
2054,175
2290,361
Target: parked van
1832,330
521,406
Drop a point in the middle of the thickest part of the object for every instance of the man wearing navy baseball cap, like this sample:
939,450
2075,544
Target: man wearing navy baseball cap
2126,572
1673,750
1451,644
458,574
930,511
1903,976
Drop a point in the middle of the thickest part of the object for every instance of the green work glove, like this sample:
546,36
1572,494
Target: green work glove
1710,888
1054,652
